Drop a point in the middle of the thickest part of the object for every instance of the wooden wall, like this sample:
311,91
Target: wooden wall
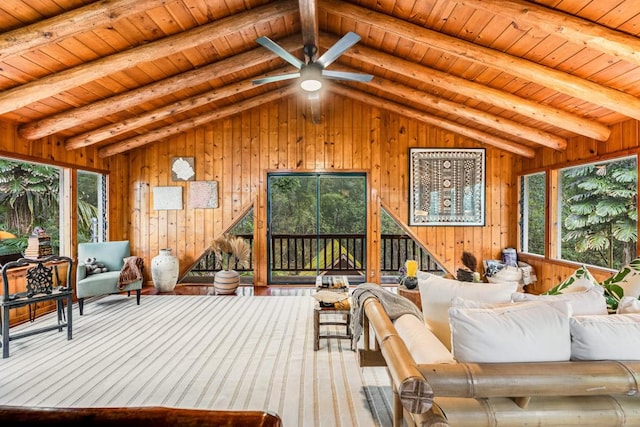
624,140
238,152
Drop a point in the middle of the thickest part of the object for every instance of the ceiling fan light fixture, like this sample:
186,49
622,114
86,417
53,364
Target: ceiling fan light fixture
311,78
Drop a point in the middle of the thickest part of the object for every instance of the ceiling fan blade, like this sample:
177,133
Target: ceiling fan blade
345,75
338,49
271,79
278,50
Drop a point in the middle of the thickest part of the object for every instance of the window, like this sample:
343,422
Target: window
91,202
598,213
29,198
532,213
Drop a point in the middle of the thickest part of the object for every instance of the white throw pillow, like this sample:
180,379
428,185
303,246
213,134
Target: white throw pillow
436,294
611,337
424,347
524,332
590,301
628,305
628,278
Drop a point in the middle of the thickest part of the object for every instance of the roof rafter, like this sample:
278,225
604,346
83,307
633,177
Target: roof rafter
483,137
479,92
571,28
67,119
53,84
568,84
166,131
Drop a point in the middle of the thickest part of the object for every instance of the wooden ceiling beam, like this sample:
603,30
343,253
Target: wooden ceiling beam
100,109
83,19
566,83
569,27
219,113
476,91
309,26
498,123
483,137
110,131
28,93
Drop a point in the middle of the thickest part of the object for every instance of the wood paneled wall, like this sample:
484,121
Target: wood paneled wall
238,152
624,140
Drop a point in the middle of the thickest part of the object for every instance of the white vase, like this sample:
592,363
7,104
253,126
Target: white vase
226,282
164,270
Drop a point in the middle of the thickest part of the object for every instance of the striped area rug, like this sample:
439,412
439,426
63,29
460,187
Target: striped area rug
206,352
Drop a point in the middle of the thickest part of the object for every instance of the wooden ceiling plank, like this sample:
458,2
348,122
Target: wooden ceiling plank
525,107
496,122
52,30
615,100
166,131
162,113
570,27
87,113
28,93
477,135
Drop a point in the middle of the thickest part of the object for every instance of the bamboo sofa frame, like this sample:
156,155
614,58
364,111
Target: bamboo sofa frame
576,393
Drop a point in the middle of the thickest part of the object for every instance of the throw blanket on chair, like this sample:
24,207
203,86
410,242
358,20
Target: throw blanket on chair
395,306
131,271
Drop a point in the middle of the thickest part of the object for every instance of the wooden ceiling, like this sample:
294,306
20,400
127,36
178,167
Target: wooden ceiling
514,74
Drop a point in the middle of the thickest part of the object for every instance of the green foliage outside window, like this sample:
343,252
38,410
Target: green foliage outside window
600,213
533,201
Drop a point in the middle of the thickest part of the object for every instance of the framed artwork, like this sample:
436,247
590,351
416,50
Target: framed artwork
203,194
167,198
182,169
446,186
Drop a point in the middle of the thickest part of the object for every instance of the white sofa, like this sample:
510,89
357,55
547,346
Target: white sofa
476,358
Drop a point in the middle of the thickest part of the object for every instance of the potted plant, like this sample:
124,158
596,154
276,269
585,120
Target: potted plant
231,251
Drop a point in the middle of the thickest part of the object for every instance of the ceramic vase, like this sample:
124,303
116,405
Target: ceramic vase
164,270
226,282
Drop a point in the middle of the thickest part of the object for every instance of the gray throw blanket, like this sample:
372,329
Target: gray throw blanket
395,306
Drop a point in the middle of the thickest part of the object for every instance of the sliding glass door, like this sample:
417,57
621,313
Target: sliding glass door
317,226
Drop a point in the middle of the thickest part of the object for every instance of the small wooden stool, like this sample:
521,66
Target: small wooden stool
317,323
412,295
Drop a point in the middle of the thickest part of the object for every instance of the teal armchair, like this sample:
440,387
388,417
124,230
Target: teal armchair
112,255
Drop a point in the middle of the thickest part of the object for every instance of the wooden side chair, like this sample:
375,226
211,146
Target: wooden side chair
28,282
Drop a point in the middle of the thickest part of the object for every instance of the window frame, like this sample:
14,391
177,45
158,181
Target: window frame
553,209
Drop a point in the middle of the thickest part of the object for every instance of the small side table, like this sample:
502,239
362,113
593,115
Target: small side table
318,322
412,295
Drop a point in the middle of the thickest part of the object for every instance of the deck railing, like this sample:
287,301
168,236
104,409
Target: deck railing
296,258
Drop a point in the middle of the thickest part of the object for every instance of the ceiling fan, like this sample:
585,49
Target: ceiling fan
311,73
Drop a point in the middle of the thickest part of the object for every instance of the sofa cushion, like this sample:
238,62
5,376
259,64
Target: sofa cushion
610,337
423,345
580,280
590,301
628,305
436,294
522,332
